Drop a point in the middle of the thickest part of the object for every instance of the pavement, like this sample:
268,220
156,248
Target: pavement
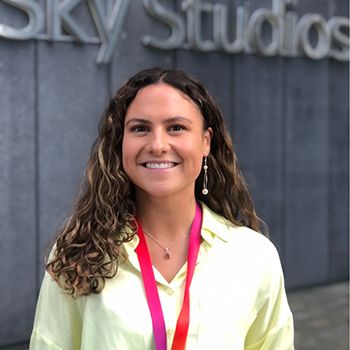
321,318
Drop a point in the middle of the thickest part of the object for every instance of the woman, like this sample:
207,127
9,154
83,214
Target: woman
162,250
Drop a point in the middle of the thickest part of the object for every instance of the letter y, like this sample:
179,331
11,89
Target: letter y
108,29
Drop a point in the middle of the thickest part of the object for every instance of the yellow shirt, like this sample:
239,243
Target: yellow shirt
238,300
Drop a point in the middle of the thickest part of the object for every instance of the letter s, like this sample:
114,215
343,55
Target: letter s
175,22
340,38
35,23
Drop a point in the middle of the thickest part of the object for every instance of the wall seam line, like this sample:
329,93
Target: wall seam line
36,167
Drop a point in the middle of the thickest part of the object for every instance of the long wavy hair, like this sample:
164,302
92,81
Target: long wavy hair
87,248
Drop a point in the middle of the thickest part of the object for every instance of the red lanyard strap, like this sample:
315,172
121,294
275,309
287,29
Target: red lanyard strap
152,291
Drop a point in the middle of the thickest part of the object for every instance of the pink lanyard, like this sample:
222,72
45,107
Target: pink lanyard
152,292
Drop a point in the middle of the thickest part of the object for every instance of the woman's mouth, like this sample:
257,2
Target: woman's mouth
159,165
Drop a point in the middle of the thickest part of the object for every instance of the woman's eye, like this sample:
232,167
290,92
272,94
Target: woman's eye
138,128
176,128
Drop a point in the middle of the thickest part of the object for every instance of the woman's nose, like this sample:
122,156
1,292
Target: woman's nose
158,142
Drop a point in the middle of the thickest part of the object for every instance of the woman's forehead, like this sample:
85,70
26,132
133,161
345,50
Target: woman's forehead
162,99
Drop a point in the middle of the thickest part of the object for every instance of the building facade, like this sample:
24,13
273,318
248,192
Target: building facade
278,68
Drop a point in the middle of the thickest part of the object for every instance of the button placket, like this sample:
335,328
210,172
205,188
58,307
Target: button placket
170,291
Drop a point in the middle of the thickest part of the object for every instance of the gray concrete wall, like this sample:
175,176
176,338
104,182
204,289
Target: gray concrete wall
288,118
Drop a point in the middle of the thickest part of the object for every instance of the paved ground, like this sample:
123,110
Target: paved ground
321,318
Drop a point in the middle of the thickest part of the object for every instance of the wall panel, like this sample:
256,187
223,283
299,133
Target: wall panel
258,133
18,241
307,155
338,116
338,229
72,93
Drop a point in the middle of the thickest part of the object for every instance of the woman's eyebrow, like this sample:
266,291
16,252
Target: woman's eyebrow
138,120
177,119
166,121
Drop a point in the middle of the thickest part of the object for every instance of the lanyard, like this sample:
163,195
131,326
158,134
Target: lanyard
152,292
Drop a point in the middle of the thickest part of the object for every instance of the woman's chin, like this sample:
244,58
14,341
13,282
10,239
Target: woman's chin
164,192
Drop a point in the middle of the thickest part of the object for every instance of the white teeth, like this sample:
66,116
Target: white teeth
159,165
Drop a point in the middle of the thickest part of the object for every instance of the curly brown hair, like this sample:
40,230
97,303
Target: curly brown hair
87,247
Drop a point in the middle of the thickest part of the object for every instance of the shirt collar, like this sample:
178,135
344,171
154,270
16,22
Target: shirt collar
213,225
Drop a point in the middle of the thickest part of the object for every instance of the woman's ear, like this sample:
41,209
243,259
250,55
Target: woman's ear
208,134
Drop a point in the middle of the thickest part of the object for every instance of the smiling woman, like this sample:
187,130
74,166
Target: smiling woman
163,248
163,150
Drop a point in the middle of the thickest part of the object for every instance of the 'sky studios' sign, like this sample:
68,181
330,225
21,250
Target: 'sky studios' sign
265,31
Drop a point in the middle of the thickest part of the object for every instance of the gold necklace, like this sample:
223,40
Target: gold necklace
167,254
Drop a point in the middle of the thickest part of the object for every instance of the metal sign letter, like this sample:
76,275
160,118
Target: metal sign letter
35,23
108,29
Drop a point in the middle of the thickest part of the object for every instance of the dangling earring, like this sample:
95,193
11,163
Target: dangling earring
205,177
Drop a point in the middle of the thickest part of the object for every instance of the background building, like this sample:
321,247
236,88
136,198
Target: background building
283,86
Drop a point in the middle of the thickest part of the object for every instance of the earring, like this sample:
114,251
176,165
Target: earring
205,177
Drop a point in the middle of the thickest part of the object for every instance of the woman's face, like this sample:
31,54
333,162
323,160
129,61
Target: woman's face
164,142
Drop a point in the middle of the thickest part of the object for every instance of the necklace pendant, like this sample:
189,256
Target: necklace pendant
167,254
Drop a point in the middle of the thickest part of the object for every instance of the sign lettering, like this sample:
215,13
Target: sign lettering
267,32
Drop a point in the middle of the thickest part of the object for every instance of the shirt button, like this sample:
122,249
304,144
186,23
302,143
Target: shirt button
170,291
170,332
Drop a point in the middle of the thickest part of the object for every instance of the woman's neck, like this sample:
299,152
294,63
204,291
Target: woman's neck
166,219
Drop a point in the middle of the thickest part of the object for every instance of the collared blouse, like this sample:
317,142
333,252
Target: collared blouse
237,297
